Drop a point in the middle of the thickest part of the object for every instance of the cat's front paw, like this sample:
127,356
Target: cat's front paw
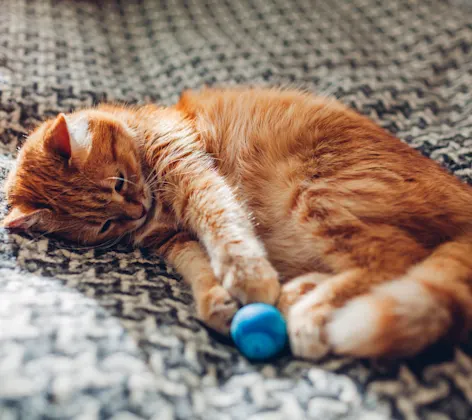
217,308
251,280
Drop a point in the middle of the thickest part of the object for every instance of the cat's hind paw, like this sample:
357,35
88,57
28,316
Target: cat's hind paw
399,318
306,330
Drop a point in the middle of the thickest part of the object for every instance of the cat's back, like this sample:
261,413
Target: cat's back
242,123
269,143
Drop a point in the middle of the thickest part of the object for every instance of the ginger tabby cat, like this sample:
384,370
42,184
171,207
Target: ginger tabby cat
265,195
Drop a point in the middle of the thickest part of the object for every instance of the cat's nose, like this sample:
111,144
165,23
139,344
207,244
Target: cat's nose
136,212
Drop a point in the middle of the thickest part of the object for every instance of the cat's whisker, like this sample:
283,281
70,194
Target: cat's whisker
117,178
154,184
84,248
48,232
152,177
111,244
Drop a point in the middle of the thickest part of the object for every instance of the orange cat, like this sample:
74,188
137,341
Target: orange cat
246,189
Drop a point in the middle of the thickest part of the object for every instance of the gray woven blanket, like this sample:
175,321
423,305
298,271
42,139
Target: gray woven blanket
111,334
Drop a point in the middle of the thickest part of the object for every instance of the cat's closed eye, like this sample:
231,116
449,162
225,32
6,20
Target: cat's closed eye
120,182
105,226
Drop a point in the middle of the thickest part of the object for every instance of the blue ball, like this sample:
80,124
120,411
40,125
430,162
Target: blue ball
259,331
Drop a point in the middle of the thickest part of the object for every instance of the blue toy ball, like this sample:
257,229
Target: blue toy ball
259,331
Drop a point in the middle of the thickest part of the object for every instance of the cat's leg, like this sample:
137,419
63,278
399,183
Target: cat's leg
309,318
215,306
390,295
238,258
359,255
432,300
205,205
363,312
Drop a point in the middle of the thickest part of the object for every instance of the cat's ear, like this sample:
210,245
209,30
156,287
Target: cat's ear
20,220
57,138
69,138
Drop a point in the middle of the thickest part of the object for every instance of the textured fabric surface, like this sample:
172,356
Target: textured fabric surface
111,334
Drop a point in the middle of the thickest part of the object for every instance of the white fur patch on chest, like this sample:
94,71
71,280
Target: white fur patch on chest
80,135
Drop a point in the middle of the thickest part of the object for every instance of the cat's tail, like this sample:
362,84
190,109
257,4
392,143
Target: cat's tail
402,317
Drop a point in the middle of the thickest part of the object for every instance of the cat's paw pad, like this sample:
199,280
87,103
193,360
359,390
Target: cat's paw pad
217,309
306,331
251,280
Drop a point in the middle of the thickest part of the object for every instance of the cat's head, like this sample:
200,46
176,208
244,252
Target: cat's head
80,177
